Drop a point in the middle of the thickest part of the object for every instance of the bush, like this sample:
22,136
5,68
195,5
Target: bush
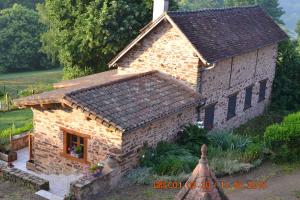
252,153
227,140
168,159
284,138
193,138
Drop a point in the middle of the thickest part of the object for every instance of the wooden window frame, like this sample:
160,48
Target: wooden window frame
246,106
229,115
260,98
65,145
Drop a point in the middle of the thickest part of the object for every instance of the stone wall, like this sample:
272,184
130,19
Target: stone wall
163,49
163,130
19,141
48,140
23,178
234,75
94,188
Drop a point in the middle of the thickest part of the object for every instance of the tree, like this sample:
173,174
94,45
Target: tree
85,35
272,7
285,92
20,39
27,3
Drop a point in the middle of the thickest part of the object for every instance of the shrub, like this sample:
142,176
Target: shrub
227,140
168,159
193,138
15,131
284,138
252,153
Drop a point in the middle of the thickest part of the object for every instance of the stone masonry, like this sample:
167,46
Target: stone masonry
48,139
167,50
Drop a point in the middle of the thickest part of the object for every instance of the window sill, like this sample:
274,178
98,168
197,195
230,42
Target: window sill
80,160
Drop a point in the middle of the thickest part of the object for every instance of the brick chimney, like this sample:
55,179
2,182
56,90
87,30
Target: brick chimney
159,7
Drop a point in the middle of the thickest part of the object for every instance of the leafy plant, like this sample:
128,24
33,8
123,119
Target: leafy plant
78,149
168,159
253,152
284,138
193,138
227,140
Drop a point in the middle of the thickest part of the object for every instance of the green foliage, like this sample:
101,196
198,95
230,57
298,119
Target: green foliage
36,89
18,117
20,40
85,35
253,152
284,138
229,141
27,3
15,131
272,7
226,162
285,92
168,159
193,138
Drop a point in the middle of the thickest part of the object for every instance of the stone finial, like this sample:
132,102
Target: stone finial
204,152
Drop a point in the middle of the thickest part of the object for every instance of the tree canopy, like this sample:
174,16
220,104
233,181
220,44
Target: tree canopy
27,3
272,7
85,35
20,39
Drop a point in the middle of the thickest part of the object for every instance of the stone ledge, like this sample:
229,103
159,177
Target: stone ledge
23,178
45,195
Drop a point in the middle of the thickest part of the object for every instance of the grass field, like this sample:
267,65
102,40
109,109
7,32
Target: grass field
18,117
14,82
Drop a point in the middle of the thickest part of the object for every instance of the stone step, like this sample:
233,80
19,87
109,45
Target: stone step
45,195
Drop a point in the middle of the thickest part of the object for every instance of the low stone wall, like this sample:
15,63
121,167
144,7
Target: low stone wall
23,178
94,188
19,141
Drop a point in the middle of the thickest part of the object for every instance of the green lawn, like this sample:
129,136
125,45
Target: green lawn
18,117
23,80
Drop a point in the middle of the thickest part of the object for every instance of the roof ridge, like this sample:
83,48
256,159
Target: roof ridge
213,9
135,76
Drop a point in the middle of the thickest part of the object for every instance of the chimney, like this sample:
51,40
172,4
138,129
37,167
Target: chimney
159,7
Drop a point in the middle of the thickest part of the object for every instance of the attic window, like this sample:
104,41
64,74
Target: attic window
75,145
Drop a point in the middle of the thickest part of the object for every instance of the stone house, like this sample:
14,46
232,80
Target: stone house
223,58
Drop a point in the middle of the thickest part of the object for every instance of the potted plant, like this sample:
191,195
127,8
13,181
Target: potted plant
77,152
96,169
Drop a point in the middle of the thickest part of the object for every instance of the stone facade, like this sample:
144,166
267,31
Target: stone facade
167,50
233,76
163,49
48,139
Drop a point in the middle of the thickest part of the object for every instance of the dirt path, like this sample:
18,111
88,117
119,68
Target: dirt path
282,183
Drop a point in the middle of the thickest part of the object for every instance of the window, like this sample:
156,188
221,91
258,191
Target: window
248,97
209,117
262,90
75,145
231,106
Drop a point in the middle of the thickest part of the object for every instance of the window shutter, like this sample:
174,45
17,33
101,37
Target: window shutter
209,117
248,97
231,106
262,90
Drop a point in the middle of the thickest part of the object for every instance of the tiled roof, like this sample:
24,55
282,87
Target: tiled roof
132,102
222,33
65,87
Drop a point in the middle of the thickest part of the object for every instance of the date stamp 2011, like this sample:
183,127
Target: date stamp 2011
206,185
